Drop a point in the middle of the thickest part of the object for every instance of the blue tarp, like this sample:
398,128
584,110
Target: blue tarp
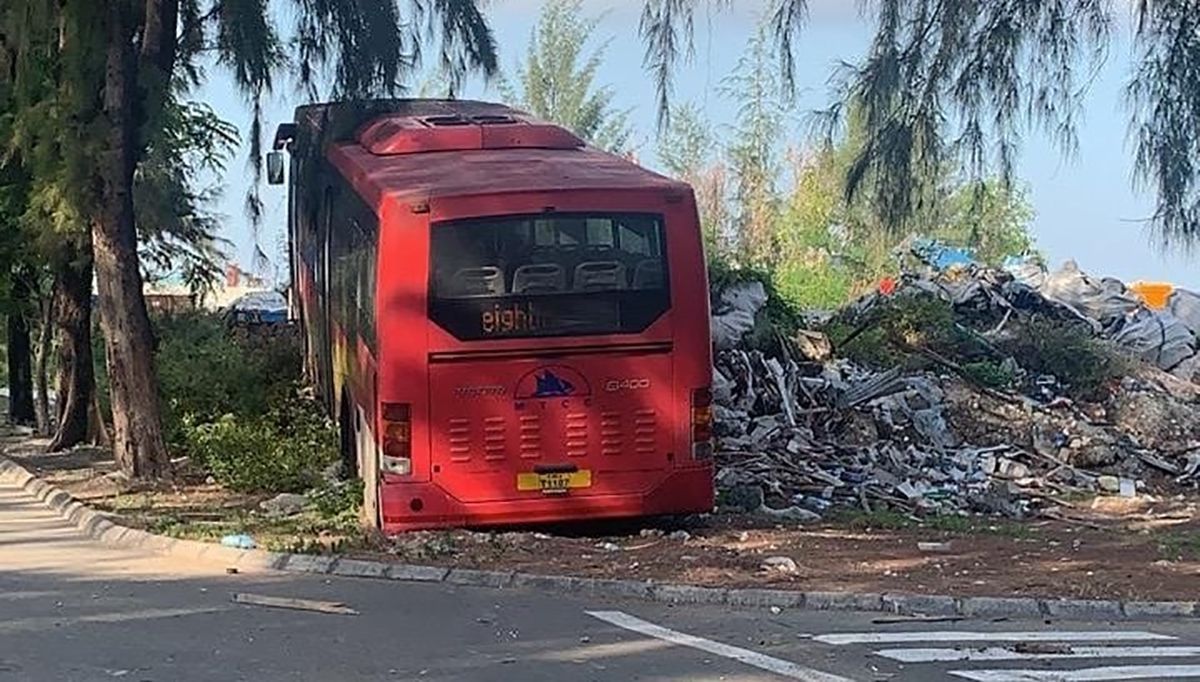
940,256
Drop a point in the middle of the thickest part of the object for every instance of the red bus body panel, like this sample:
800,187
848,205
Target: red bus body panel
476,424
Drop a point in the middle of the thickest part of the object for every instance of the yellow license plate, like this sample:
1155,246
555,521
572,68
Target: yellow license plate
557,483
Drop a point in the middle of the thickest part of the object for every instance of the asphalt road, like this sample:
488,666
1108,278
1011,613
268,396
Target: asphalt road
74,610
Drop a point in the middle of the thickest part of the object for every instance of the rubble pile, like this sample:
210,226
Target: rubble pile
801,432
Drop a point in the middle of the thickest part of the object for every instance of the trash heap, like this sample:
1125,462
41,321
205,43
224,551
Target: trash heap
802,432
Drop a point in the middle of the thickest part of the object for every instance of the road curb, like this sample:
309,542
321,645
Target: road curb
104,529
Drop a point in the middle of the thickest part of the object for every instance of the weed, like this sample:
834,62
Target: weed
856,519
1181,546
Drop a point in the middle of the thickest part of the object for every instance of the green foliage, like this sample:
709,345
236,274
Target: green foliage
284,450
842,242
1179,546
338,500
960,83
688,150
857,519
989,373
813,285
688,145
177,232
1069,351
753,154
205,371
557,82
883,336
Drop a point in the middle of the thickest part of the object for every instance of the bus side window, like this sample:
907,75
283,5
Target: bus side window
365,257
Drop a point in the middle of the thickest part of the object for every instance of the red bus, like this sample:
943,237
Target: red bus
509,326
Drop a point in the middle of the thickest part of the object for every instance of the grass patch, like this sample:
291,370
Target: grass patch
1181,546
307,533
856,519
970,525
949,524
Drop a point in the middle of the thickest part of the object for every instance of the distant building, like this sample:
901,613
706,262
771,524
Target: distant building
171,295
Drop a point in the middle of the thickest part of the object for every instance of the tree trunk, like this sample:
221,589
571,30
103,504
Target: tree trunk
97,428
20,352
76,375
129,343
41,362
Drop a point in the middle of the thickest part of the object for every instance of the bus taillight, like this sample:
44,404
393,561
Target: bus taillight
702,424
397,439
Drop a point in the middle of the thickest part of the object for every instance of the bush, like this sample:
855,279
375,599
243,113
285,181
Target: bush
989,373
284,450
1068,351
206,370
338,502
877,338
804,286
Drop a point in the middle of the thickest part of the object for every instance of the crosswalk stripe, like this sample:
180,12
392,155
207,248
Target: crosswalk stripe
1002,654
844,638
1107,674
751,658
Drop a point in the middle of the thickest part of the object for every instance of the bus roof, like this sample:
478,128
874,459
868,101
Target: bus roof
420,150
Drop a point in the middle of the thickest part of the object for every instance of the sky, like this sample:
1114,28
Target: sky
1085,206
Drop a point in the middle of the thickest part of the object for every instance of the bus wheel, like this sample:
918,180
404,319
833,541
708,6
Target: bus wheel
349,442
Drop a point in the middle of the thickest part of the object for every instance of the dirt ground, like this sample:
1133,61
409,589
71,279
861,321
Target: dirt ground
1105,547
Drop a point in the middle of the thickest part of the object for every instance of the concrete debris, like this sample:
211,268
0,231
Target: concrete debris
802,431
934,547
284,504
780,564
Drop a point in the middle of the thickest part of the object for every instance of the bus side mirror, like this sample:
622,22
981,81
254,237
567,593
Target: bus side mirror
275,168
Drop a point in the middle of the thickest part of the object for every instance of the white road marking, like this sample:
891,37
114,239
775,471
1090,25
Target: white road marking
50,622
1124,672
842,639
751,658
1002,654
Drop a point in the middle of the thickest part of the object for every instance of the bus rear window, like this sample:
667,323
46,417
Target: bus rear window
548,275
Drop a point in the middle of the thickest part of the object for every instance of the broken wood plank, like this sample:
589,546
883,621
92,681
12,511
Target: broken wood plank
335,608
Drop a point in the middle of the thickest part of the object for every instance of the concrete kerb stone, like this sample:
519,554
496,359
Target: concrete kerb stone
1082,609
58,499
415,574
474,578
923,604
93,525
38,488
114,535
309,563
618,589
99,527
189,549
766,599
688,594
557,583
843,601
357,568
998,607
1161,609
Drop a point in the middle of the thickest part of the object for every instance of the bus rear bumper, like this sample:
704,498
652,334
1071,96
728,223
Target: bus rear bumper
422,506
